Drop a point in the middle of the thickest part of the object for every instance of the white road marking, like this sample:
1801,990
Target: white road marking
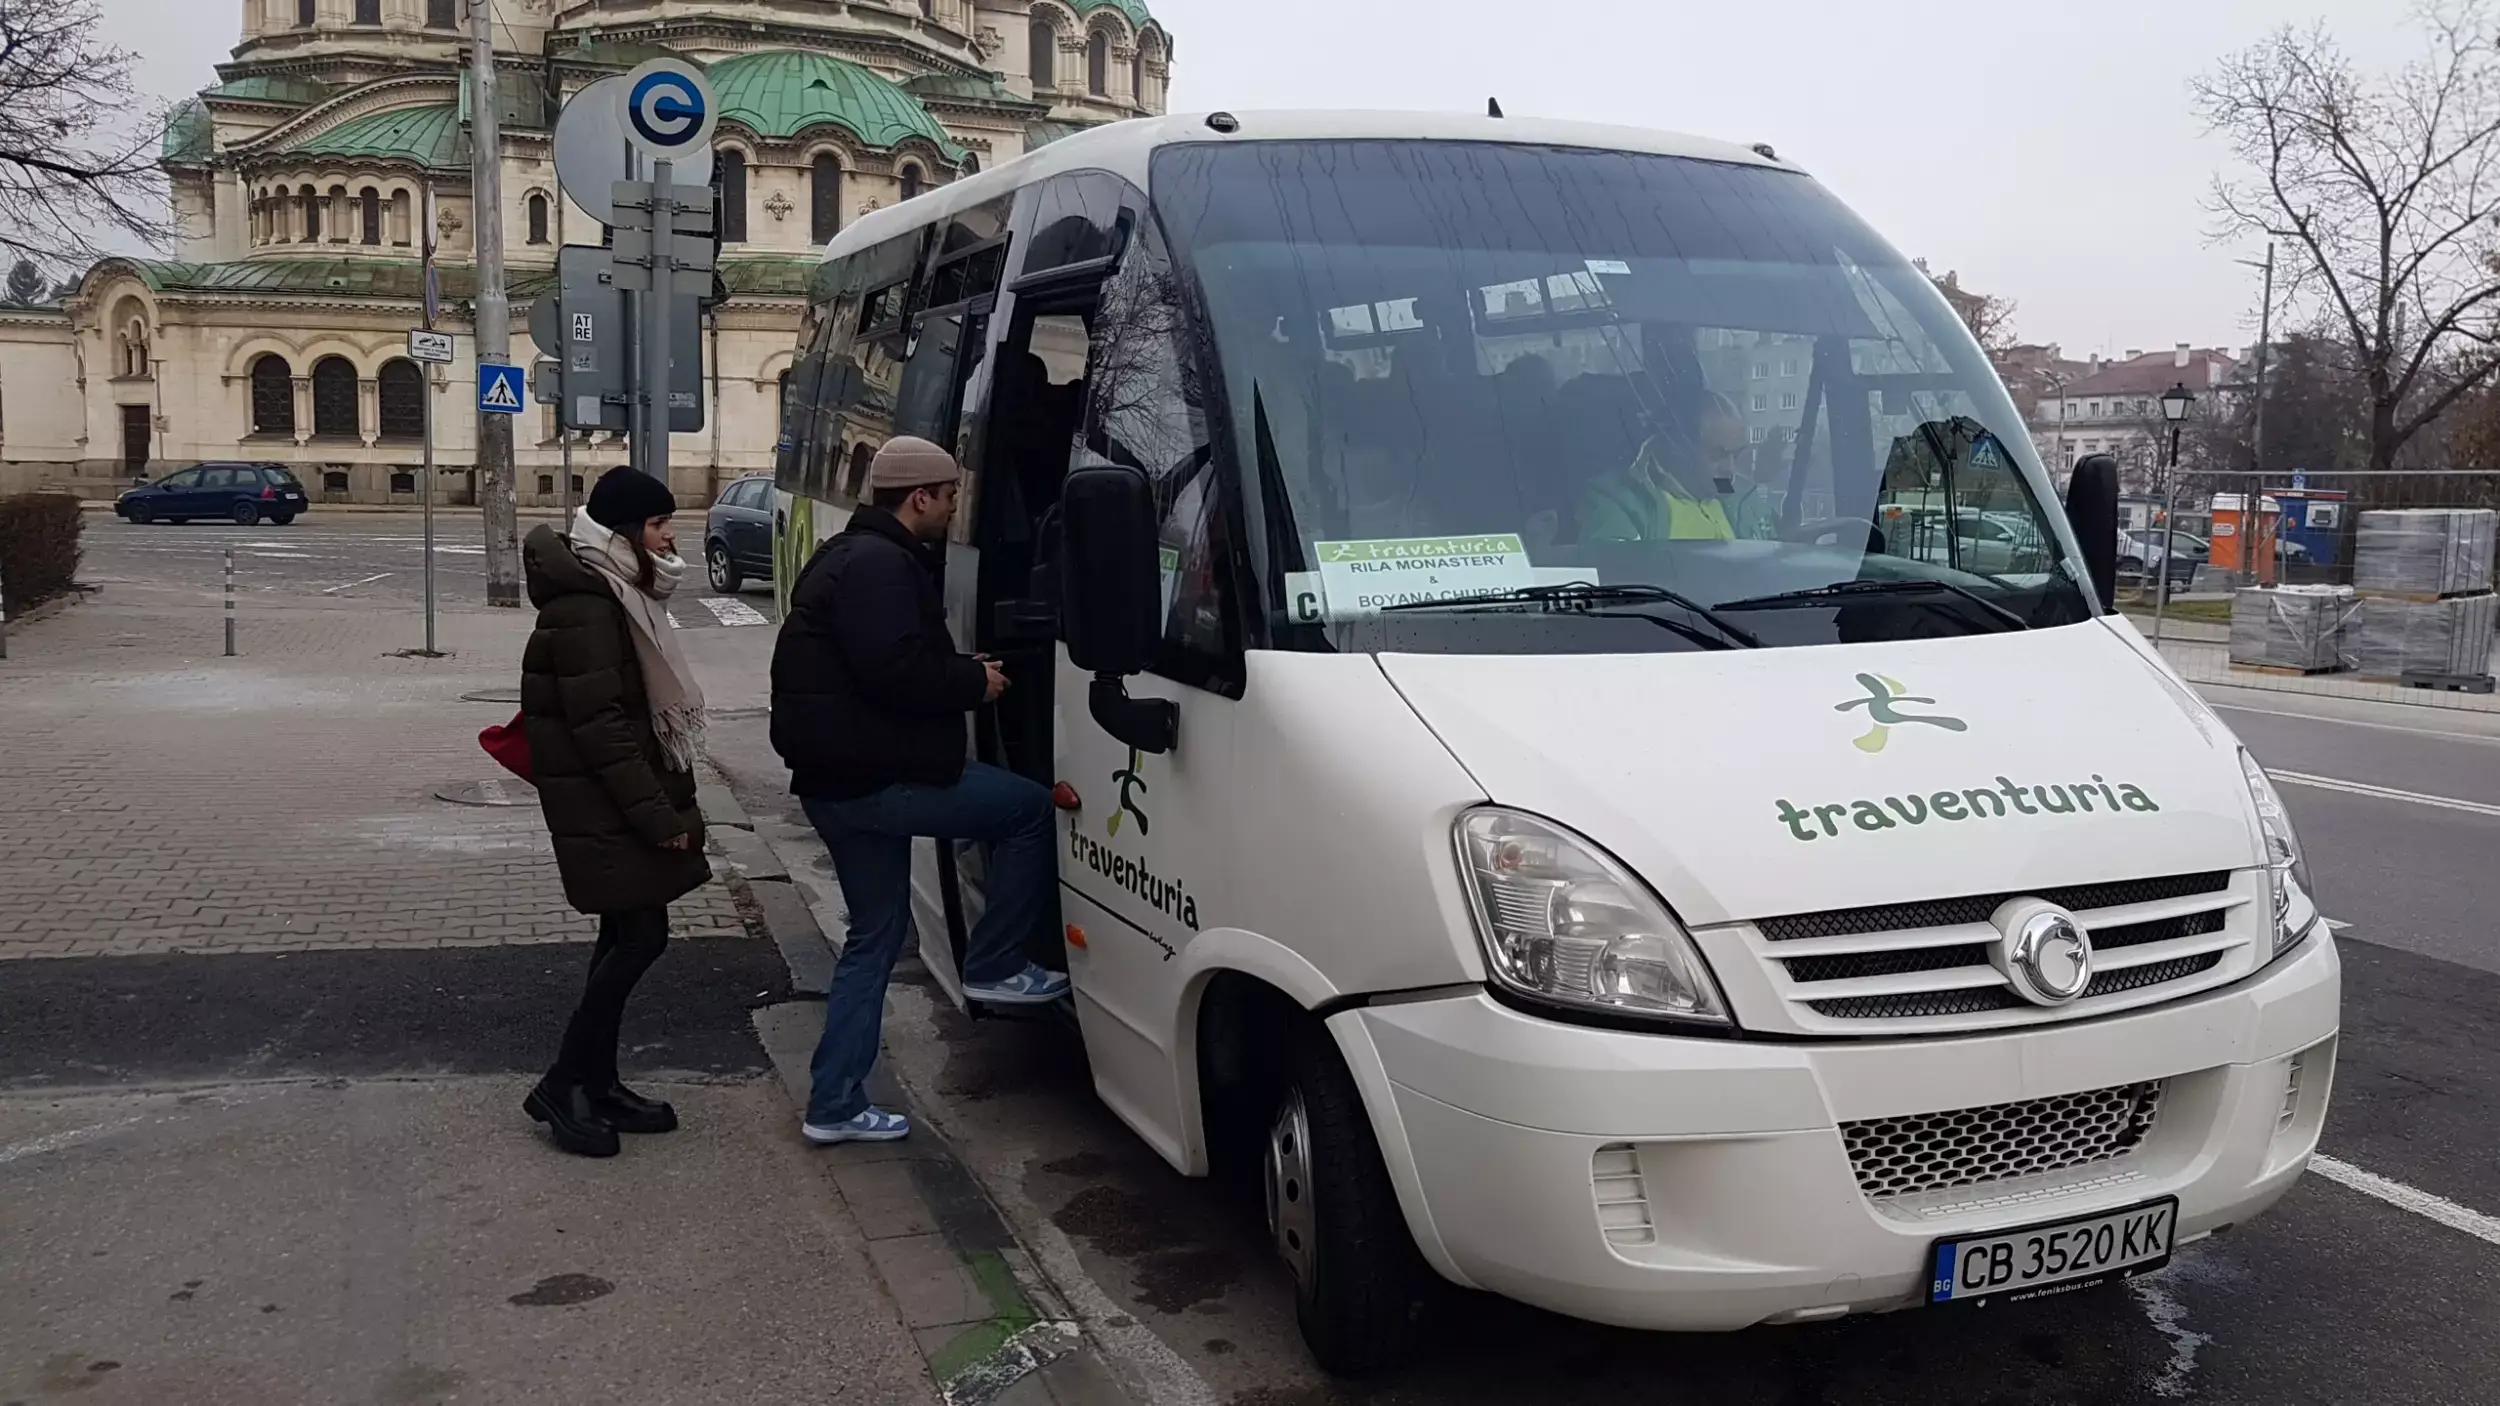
2384,793
2440,733
2169,1318
673,622
734,612
2409,1198
2336,925
351,585
67,1137
280,556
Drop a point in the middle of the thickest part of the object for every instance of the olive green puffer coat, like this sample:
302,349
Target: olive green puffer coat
610,796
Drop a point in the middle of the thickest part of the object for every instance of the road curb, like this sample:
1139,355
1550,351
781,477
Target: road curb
991,1327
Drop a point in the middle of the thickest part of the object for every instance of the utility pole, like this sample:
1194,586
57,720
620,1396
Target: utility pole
2257,424
494,325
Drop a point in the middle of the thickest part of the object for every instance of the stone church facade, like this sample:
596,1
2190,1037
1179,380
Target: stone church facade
278,330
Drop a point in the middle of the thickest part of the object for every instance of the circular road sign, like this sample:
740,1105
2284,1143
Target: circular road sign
668,108
592,154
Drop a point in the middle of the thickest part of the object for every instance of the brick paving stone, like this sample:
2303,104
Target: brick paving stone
162,798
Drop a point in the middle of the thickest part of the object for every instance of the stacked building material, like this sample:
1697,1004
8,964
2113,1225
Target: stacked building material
2293,627
2451,638
2427,611
2425,553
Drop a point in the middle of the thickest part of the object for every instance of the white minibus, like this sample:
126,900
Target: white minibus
1529,788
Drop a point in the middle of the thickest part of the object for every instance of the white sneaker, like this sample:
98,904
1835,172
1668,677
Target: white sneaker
869,1125
1034,986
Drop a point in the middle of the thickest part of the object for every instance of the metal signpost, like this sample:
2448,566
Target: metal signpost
429,349
623,326
668,112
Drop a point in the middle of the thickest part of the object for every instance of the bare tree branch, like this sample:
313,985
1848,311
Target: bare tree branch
78,147
2387,188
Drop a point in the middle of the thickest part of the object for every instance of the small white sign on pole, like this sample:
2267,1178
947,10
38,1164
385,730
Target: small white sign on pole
435,347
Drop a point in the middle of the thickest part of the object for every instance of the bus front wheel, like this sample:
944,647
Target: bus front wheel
1358,1281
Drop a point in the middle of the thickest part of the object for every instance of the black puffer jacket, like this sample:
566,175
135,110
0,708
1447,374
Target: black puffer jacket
868,689
610,796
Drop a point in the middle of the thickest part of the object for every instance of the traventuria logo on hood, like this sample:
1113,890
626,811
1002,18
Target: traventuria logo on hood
1882,704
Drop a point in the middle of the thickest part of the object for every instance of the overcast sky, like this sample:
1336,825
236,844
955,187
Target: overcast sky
2045,151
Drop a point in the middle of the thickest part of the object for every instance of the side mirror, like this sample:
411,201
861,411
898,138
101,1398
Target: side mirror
2092,506
1112,593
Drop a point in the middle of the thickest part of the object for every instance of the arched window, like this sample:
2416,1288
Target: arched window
402,388
1045,55
402,220
538,218
781,401
339,214
824,197
1098,65
439,14
369,207
1137,78
273,395
912,180
334,399
312,214
733,197
369,12
304,15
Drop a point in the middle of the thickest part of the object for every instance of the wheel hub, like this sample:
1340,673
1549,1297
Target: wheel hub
1291,1219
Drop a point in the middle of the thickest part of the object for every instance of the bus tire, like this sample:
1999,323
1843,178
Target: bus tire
1334,1217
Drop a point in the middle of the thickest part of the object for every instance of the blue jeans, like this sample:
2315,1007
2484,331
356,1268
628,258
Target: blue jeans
870,839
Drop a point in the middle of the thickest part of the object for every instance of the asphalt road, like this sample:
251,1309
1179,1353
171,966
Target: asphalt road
366,557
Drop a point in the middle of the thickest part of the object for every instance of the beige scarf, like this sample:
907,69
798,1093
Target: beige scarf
676,699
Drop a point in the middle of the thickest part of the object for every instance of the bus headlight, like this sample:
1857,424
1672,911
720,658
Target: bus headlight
1563,924
2287,869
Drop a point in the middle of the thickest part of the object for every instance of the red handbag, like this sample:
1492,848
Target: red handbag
509,744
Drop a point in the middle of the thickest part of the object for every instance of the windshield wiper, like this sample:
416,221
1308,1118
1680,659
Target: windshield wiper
1844,590
1582,597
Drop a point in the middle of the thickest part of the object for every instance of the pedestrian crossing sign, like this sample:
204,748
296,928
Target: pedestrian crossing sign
500,389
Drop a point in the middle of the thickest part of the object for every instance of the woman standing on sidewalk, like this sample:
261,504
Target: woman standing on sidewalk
613,716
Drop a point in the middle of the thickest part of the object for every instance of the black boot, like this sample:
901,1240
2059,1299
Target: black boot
629,1112
573,1116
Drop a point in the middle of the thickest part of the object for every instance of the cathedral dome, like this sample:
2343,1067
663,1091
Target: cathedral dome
781,94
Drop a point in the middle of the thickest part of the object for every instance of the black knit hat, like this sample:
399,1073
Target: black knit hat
624,498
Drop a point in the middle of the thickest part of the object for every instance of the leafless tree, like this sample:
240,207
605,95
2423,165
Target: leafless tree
2385,188
1989,318
78,146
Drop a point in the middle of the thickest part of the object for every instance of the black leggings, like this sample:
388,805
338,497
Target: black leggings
629,943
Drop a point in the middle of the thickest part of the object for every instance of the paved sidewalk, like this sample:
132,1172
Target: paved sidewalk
166,799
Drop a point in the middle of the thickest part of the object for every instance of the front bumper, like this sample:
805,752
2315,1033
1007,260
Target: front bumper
1493,1124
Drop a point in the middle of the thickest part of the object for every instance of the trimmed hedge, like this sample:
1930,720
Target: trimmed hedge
38,548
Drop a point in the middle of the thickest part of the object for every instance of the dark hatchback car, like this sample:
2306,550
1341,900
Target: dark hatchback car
738,535
240,493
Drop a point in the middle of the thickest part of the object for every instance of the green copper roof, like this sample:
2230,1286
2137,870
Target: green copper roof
1135,10
429,136
190,136
343,278
404,278
1041,134
269,88
782,94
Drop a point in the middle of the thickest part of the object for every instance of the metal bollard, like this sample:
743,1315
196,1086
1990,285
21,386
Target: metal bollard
229,602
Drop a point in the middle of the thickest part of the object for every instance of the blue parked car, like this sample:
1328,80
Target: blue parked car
240,493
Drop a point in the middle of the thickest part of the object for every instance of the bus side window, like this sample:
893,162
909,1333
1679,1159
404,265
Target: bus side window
1147,409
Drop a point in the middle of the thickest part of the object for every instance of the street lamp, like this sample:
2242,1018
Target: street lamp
2175,403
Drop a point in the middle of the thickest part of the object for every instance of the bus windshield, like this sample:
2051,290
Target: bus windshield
1497,398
